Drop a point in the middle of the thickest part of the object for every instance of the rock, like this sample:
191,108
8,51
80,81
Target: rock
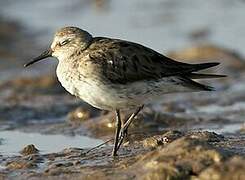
29,149
206,136
233,169
178,159
20,164
159,140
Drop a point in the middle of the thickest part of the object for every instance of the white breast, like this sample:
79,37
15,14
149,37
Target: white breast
89,89
104,95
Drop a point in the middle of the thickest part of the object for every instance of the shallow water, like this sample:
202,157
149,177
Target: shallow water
13,141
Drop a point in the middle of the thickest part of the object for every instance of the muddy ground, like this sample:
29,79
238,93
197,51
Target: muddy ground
187,136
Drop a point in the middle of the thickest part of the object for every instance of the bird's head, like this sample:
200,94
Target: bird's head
66,42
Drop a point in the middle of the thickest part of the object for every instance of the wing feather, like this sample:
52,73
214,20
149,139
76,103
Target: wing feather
125,61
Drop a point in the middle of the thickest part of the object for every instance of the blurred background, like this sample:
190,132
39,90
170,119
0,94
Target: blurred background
32,101
163,25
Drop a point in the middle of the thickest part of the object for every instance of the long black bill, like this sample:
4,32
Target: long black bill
44,55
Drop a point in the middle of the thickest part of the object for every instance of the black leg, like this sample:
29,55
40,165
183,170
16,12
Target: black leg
118,128
98,146
124,129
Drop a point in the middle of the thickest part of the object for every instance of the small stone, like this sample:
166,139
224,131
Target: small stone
29,149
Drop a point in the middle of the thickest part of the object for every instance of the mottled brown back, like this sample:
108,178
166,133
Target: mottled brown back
125,62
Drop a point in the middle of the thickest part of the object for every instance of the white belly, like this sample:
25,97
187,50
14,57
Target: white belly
119,96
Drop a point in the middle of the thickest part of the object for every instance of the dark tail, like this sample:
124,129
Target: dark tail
191,75
204,76
196,85
198,67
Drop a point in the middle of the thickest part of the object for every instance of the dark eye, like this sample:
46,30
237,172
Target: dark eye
64,42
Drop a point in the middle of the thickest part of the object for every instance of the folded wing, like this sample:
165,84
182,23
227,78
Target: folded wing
125,62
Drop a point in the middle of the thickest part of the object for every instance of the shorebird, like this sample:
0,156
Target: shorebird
113,74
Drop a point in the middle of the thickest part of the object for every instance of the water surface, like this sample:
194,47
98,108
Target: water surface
14,141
